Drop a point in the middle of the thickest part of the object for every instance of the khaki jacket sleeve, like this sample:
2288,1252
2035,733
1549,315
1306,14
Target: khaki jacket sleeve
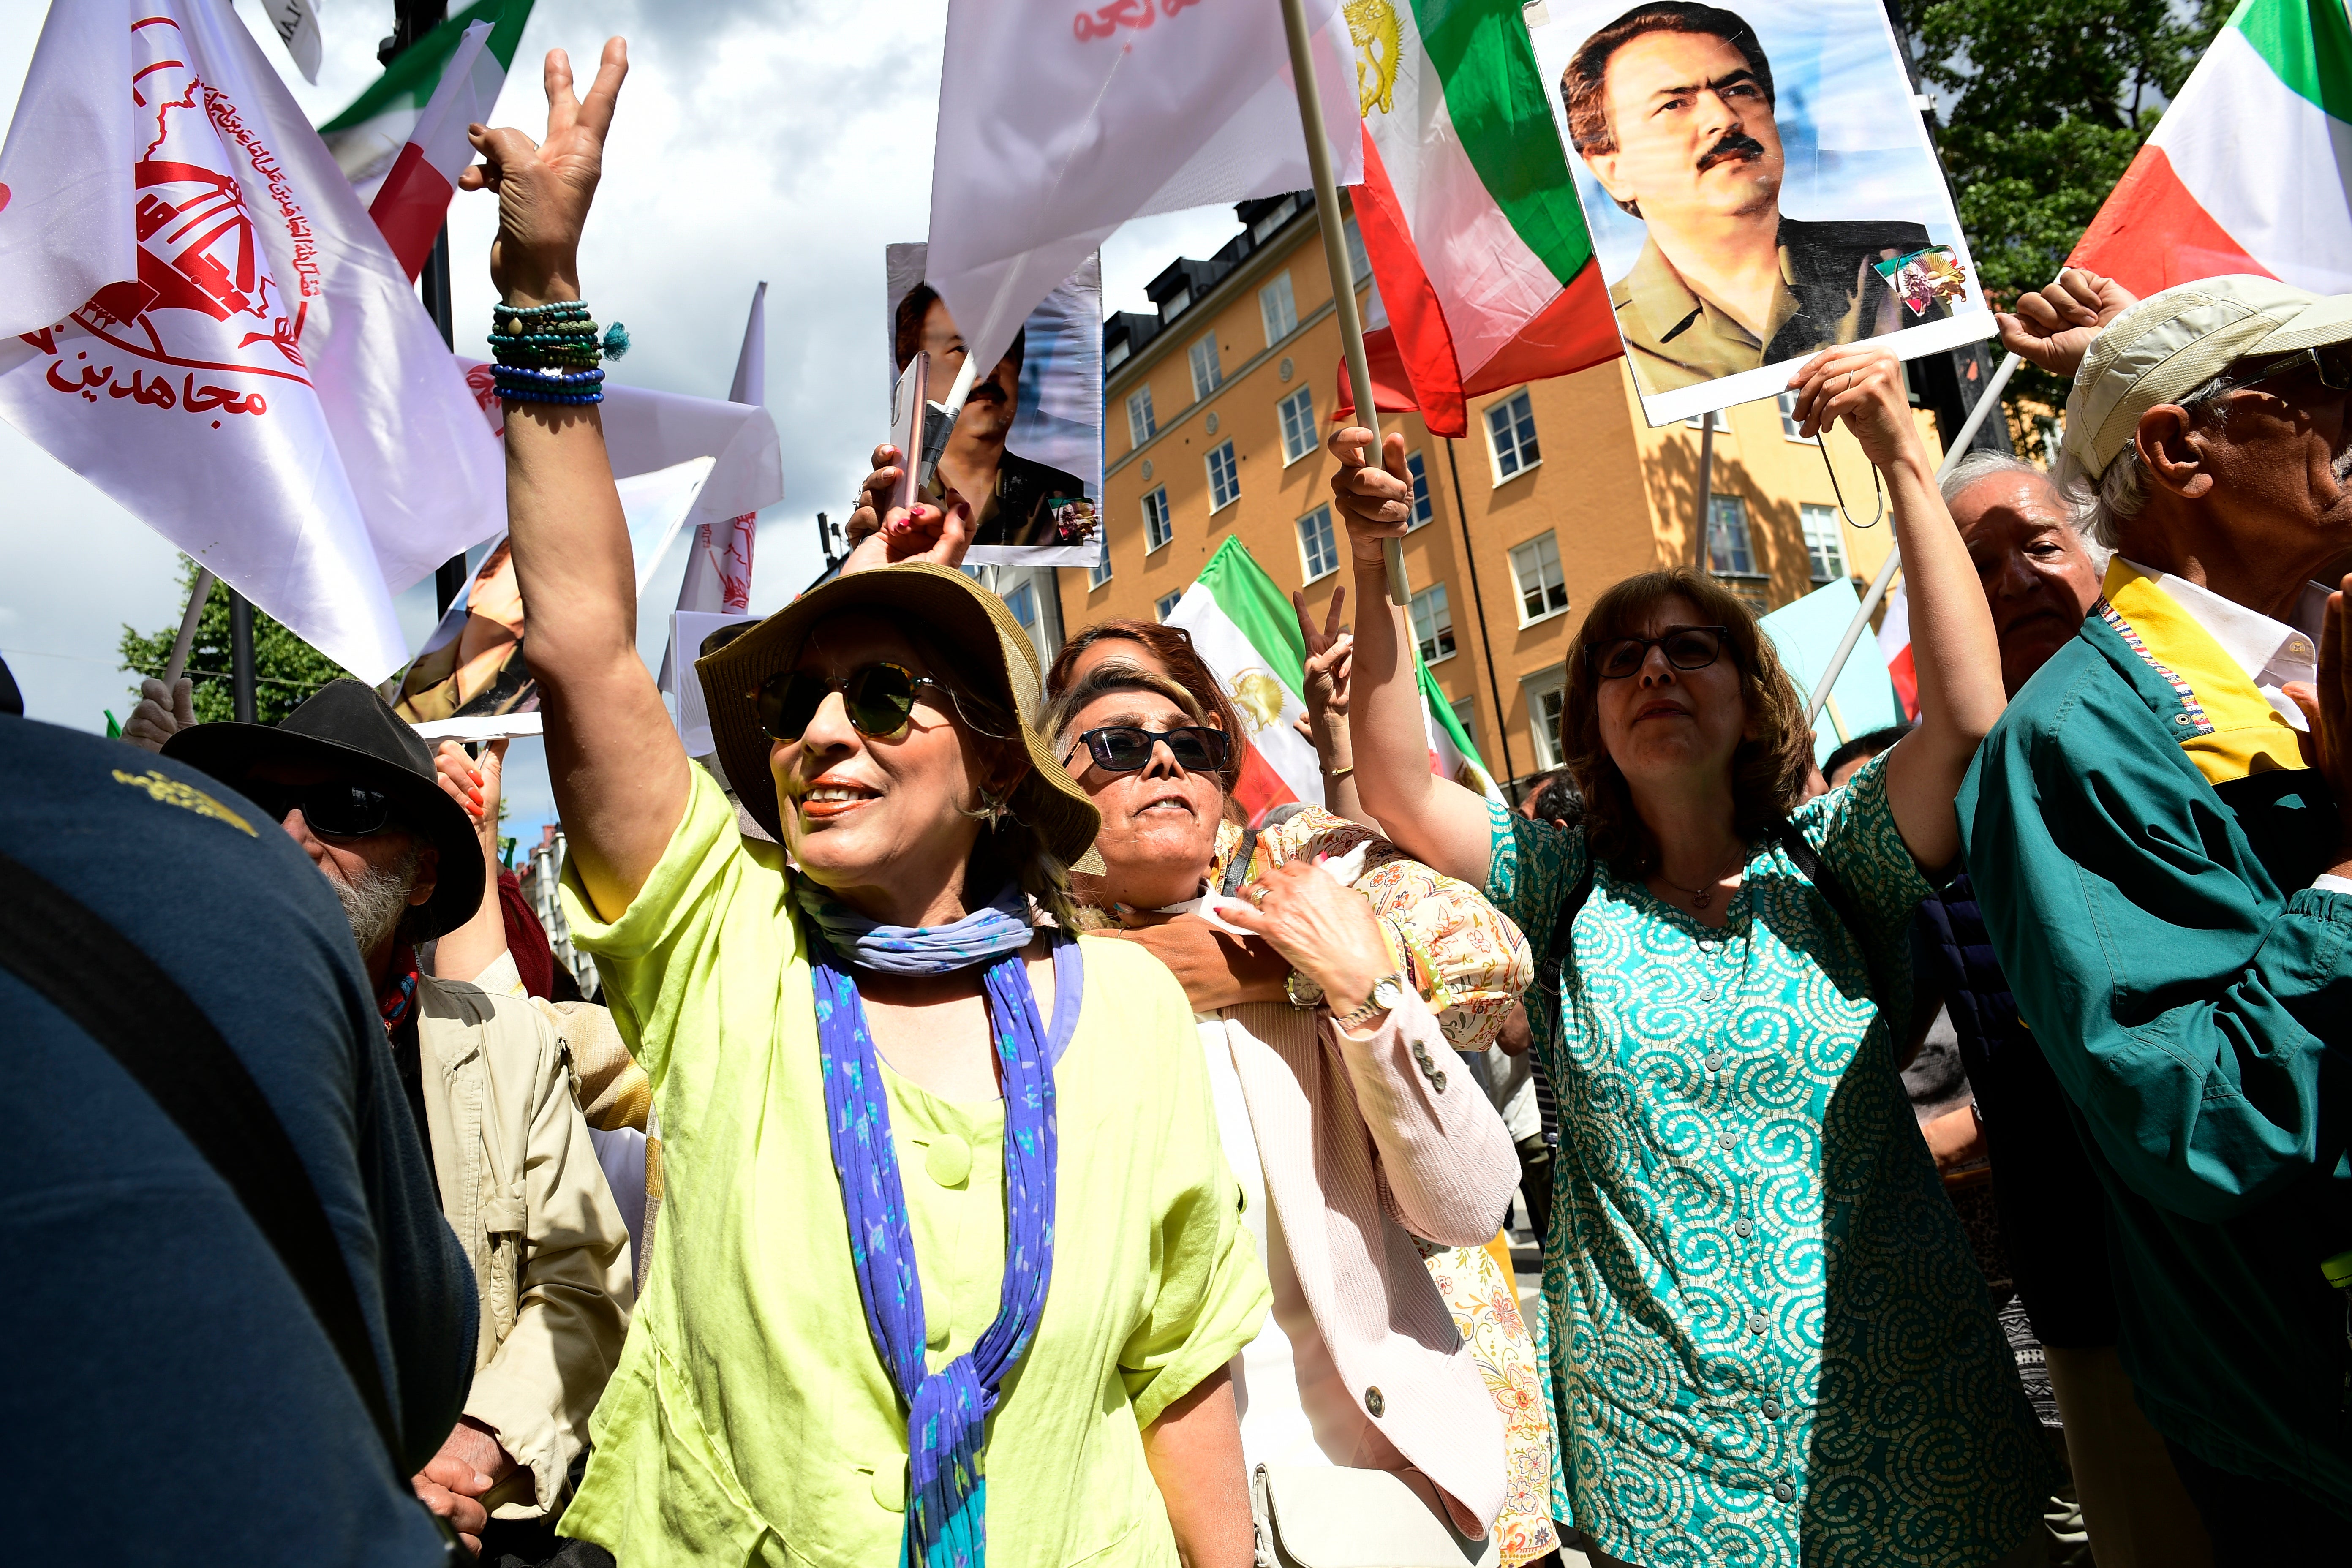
573,1311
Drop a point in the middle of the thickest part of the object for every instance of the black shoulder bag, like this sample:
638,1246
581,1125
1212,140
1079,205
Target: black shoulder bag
122,999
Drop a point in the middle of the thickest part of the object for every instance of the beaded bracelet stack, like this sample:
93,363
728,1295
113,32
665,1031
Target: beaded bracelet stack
551,353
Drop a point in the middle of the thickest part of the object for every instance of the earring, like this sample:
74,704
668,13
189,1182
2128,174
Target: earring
991,808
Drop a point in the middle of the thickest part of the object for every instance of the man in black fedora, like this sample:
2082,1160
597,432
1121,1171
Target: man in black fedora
489,1080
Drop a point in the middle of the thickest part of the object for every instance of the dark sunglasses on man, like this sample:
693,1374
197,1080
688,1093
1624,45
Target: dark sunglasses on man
880,699
2330,363
1685,647
1127,747
335,808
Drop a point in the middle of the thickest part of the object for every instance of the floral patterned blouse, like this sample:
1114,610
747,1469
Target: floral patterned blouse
1770,1345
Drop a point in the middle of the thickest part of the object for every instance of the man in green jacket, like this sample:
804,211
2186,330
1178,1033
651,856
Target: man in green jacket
2159,833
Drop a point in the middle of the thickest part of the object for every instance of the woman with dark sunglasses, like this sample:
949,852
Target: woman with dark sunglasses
1364,1146
1771,1342
947,1267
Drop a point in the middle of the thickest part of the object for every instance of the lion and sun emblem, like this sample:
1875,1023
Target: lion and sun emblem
1373,25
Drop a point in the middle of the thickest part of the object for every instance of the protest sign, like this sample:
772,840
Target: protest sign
202,322
1806,632
1758,185
1031,432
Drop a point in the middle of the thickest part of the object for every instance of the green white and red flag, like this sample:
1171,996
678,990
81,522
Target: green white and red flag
1243,626
367,138
414,200
1469,213
2251,168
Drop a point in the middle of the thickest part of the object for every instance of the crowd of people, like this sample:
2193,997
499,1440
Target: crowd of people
991,1142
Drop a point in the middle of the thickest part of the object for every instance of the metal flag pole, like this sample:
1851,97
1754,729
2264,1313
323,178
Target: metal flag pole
177,665
1861,622
1335,256
1706,487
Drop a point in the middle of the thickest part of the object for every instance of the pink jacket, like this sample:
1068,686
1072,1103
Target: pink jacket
1367,1143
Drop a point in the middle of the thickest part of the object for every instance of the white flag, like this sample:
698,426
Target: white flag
1055,128
202,322
719,562
296,22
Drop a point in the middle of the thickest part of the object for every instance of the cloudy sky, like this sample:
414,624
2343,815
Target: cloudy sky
784,140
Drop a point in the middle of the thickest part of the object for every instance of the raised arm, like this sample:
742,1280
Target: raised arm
1434,820
1952,640
619,770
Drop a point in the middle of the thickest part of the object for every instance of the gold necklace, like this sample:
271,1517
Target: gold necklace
1701,897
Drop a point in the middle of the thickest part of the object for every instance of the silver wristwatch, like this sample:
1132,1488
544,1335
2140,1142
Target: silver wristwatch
1388,994
1301,991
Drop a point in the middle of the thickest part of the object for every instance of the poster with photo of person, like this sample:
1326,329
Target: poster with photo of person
1759,186
1027,451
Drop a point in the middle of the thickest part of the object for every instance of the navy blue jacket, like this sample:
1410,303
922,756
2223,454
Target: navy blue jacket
170,1397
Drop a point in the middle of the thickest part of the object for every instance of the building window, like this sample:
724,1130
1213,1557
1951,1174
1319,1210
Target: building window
1099,572
1422,511
1728,553
1022,602
1511,431
1140,426
1277,309
1298,426
1178,303
1274,218
1360,261
1432,623
1790,427
1318,551
1117,355
1165,606
1824,543
1207,373
1545,695
1535,566
1157,528
1722,421
1225,479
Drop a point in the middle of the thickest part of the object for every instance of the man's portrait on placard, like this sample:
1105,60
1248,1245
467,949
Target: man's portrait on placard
1756,178
1029,441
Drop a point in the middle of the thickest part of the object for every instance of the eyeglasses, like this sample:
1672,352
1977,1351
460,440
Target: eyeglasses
335,808
1685,647
1127,747
2332,363
878,699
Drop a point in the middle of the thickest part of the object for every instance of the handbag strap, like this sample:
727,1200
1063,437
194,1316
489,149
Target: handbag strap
122,999
1237,869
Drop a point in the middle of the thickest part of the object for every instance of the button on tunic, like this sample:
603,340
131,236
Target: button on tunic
1746,1207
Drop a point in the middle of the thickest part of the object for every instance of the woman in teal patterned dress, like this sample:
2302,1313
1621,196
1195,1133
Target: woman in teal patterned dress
1770,1344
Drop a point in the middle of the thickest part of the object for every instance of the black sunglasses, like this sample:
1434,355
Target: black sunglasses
1685,647
879,697
2331,362
335,808
1127,748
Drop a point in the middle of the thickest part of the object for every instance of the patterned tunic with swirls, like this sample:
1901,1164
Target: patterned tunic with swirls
1770,1344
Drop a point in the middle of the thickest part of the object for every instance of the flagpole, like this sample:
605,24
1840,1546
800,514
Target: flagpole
1861,622
177,665
1335,256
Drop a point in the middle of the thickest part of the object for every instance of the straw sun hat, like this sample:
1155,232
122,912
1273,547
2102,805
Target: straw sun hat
966,624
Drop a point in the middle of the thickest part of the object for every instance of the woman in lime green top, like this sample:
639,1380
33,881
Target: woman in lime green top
919,1155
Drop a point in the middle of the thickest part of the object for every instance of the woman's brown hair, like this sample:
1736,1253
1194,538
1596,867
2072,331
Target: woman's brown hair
1768,774
1171,648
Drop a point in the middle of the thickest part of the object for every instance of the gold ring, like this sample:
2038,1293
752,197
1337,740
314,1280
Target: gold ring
1257,896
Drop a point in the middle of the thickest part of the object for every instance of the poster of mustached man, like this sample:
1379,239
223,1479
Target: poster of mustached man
1753,174
1026,453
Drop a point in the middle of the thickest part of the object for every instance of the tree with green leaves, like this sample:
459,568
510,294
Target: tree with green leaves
285,669
2044,104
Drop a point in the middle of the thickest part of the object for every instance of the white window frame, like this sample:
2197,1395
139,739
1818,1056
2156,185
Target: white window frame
1277,309
1435,594
1722,422
1519,581
1157,519
1196,359
1738,506
1098,570
1165,606
1297,413
1330,532
1789,424
1510,426
1424,508
1820,523
1012,602
1141,425
1545,738
1233,473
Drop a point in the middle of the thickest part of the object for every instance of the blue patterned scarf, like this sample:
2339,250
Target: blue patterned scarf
947,1496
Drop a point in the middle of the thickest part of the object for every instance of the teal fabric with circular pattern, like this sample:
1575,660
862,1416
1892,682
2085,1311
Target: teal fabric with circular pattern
1770,1343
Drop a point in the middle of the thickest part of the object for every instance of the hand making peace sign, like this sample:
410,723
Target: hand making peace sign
544,188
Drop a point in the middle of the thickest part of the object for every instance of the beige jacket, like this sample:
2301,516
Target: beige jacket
520,1186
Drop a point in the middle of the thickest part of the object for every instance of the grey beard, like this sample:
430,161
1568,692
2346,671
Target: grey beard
374,900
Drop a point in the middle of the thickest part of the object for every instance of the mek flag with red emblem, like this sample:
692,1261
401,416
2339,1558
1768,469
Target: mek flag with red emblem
202,320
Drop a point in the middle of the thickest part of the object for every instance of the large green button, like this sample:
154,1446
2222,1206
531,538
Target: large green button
948,1161
890,1485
